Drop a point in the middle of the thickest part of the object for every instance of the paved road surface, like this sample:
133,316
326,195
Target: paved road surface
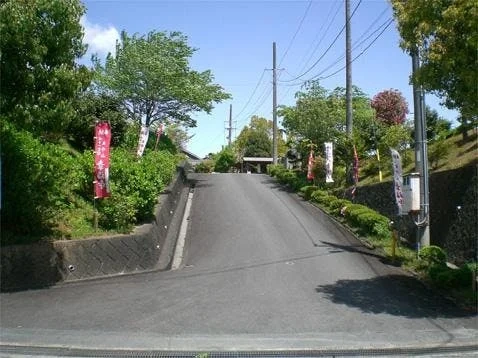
262,268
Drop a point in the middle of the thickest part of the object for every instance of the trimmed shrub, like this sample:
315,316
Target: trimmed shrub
274,169
432,256
306,191
37,182
317,195
135,186
445,277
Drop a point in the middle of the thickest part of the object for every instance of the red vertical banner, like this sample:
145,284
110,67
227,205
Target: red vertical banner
102,160
310,166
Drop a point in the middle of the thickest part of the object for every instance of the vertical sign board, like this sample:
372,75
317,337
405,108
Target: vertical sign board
143,139
102,160
310,165
329,162
397,179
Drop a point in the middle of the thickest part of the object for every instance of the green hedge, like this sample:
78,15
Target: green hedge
135,186
38,181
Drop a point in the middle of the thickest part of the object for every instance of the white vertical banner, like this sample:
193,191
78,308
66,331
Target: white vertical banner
143,139
329,162
397,178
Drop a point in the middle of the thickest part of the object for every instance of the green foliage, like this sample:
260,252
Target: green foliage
437,152
274,169
307,191
40,42
318,116
449,278
206,166
135,186
150,74
37,183
92,107
432,256
317,195
224,161
445,34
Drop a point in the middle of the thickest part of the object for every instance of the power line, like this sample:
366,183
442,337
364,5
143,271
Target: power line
339,3
361,39
359,55
327,50
252,95
296,32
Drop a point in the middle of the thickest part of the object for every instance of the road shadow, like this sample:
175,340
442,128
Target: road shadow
397,295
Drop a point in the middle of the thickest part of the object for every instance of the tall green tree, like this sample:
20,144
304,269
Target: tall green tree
150,74
255,139
446,34
319,116
39,43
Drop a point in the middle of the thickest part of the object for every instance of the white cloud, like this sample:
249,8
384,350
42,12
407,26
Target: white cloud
100,39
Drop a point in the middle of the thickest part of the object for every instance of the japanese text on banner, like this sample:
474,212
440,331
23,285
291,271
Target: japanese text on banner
102,159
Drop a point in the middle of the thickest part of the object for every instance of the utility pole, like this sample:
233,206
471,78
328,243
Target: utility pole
230,126
274,105
421,157
348,71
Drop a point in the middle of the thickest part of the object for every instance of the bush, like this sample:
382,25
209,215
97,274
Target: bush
135,186
317,195
38,180
445,277
368,221
307,191
206,166
274,169
432,256
224,161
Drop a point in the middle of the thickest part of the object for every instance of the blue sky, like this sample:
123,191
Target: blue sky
234,40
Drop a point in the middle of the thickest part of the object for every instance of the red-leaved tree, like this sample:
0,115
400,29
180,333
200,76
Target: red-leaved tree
390,107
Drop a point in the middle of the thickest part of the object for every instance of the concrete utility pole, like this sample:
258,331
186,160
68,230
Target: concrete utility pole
421,157
348,71
230,126
274,105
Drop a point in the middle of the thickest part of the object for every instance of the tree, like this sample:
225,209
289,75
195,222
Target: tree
390,107
39,43
92,107
445,33
224,160
437,126
255,140
151,76
319,116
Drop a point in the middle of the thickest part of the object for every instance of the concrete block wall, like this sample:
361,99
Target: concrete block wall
148,247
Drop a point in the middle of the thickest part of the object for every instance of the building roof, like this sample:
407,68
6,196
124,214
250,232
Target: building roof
258,159
190,155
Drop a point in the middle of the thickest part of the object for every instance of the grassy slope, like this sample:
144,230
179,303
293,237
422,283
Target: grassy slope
460,154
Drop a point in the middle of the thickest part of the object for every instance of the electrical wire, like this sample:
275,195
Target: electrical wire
327,50
339,3
296,32
251,96
358,56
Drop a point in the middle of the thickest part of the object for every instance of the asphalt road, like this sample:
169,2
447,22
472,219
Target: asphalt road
262,269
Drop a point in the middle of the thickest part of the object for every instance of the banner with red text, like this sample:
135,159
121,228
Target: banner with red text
102,160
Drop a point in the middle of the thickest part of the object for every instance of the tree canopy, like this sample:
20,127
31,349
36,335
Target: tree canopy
390,107
150,74
39,43
446,34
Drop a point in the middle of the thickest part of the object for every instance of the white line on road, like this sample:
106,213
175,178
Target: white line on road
179,251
